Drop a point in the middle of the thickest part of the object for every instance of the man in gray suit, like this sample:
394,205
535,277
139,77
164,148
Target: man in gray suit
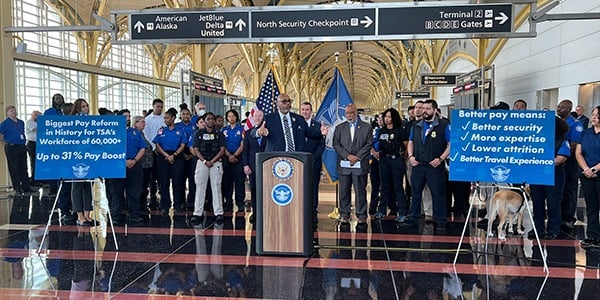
352,141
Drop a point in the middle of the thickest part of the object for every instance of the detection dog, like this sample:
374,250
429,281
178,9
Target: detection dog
506,204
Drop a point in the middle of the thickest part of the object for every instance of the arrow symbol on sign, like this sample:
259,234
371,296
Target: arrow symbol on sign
240,24
502,18
138,26
367,21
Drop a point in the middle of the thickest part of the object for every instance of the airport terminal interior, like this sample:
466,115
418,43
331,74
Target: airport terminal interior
88,49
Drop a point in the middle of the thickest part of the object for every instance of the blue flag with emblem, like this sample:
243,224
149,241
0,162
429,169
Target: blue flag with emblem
332,112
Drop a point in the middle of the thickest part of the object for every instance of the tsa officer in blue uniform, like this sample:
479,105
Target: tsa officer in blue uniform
548,197
12,134
189,164
569,200
170,142
130,188
57,102
233,169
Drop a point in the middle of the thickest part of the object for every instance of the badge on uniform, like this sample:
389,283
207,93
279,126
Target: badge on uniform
391,136
433,135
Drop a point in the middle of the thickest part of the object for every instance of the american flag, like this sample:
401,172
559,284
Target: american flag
266,99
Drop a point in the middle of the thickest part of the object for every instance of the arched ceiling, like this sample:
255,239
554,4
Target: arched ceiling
373,70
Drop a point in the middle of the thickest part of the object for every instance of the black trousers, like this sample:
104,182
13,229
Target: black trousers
16,158
127,191
31,151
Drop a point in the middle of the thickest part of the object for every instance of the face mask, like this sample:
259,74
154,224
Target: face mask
201,112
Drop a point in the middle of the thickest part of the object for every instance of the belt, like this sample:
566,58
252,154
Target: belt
393,156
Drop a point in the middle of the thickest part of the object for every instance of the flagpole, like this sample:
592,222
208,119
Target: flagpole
335,214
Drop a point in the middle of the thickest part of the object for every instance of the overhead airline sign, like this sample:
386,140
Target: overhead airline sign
313,23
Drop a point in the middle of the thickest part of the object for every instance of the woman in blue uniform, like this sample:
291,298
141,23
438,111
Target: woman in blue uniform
588,159
189,163
170,142
233,170
391,164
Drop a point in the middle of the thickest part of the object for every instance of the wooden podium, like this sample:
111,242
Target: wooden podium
284,203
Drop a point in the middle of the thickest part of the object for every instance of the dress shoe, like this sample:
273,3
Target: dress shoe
440,228
344,220
84,223
588,243
135,220
196,220
252,219
379,215
362,221
550,236
401,219
219,219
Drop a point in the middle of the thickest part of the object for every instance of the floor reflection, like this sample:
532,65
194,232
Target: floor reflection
167,256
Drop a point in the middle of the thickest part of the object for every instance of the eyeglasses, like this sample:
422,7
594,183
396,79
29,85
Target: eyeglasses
286,101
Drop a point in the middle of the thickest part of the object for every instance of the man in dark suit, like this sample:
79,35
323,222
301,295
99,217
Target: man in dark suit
352,141
251,147
316,147
281,137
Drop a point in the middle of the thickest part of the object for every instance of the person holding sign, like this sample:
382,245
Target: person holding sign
81,192
588,158
170,142
12,134
428,147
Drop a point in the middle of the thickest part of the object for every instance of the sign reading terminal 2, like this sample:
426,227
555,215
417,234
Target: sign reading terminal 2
321,23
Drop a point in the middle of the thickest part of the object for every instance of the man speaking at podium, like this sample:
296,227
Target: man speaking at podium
284,130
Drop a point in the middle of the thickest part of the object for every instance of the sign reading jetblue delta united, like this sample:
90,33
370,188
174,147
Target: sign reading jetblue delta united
321,23
502,146
80,147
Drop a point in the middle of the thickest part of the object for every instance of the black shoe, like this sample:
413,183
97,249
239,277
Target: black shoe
219,219
252,219
588,243
135,220
550,236
440,228
196,220
531,235
84,223
567,225
164,212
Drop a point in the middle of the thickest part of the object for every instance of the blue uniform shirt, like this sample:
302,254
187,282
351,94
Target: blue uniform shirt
13,132
564,149
135,142
53,112
233,137
575,130
376,139
189,130
590,147
170,139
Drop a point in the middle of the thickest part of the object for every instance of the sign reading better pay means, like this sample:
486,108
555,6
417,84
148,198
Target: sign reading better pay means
502,146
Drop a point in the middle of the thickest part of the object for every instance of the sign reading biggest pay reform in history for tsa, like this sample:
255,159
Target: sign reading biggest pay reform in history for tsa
502,146
80,147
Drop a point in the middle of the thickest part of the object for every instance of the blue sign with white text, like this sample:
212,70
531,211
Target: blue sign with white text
503,146
80,147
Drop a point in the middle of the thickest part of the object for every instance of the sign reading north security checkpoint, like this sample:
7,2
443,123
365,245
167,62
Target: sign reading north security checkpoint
80,147
502,146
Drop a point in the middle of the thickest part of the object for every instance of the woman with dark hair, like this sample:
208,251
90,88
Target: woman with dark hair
189,162
170,142
81,192
549,196
233,169
392,167
588,159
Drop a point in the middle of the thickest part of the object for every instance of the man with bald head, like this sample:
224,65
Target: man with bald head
352,142
284,130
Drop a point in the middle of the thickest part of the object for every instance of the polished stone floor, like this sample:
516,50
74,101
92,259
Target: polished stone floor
166,257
